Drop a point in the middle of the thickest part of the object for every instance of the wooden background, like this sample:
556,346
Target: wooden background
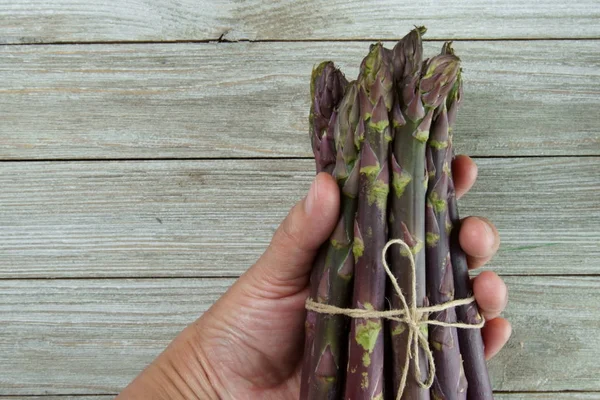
148,150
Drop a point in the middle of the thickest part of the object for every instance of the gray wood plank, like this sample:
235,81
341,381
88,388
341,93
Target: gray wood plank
94,336
251,99
39,21
555,320
214,218
80,336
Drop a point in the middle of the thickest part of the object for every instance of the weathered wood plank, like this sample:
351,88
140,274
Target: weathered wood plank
214,218
552,318
80,336
94,336
251,99
39,21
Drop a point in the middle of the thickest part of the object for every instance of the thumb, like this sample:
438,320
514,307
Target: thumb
285,266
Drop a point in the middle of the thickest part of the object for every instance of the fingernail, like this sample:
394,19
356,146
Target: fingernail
489,234
311,197
488,227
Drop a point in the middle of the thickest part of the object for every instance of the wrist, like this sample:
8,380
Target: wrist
179,373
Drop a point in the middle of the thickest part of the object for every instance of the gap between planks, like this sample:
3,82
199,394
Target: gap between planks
221,40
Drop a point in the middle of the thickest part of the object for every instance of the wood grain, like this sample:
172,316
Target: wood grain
555,319
41,21
251,99
81,336
214,218
94,336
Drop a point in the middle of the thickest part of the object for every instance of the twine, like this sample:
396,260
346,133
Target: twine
414,317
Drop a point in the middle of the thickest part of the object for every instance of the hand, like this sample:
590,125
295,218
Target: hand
249,344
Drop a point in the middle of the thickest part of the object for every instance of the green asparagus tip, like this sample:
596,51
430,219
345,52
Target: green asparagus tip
372,63
447,48
446,64
421,29
368,63
438,79
454,93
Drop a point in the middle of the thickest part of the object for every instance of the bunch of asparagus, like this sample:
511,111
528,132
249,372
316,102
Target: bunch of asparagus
387,140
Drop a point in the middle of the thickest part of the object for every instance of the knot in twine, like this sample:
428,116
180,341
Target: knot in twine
412,316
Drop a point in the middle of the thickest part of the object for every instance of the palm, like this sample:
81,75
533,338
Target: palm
260,351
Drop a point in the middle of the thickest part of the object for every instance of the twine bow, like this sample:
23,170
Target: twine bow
412,316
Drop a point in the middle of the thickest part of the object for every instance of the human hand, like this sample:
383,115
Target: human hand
249,344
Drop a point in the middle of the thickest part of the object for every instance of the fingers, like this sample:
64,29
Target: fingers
478,236
495,333
464,174
490,293
288,260
479,239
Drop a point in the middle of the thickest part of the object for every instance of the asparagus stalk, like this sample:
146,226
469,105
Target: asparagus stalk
419,94
326,88
331,334
470,340
450,382
365,379
410,123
